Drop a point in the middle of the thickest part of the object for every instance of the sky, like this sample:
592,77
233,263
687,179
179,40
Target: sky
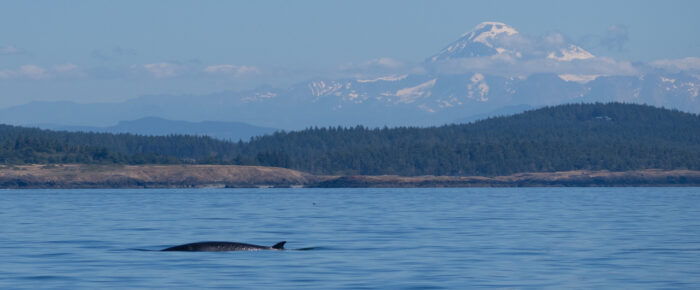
105,51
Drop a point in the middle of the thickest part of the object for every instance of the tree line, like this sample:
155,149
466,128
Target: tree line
612,136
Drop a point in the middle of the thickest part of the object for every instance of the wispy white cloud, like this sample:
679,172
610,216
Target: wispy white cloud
6,74
68,70
10,49
157,70
681,64
231,69
505,66
161,69
26,71
385,62
373,64
35,72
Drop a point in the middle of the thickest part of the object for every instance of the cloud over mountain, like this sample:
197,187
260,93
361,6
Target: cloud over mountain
161,69
511,67
683,64
232,69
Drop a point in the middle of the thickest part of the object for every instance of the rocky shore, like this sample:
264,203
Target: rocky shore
233,176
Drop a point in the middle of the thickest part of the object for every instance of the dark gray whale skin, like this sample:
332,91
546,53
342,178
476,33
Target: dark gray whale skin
223,247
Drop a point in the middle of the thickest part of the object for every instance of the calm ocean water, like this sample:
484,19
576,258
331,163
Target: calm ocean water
361,238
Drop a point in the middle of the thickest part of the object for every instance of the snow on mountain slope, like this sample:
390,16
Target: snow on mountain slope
489,30
570,53
412,94
578,78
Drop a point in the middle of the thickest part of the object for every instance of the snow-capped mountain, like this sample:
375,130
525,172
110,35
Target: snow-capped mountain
484,40
497,68
496,39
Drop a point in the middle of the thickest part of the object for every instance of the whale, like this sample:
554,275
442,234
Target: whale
223,247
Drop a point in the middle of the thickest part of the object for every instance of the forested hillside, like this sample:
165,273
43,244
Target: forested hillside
611,136
568,137
42,150
20,145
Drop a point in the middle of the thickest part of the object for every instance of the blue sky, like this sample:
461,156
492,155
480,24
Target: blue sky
96,51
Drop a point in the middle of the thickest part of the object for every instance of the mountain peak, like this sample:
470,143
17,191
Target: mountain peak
488,30
477,42
570,53
492,38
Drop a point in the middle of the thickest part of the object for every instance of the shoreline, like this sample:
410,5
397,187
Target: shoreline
74,176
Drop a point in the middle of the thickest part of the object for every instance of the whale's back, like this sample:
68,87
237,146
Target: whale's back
223,247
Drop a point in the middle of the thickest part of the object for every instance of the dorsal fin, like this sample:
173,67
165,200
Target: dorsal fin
279,246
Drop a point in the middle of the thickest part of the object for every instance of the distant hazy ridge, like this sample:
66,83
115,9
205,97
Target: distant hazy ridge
152,126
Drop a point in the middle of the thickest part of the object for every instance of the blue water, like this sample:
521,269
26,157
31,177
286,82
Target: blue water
360,238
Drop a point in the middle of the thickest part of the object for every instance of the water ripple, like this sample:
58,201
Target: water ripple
354,238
